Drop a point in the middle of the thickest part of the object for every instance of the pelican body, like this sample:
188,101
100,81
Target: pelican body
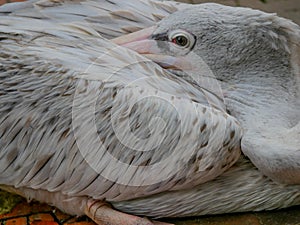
160,109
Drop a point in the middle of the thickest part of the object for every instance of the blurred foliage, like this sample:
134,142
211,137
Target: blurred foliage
8,201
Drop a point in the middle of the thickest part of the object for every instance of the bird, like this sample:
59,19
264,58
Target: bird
156,109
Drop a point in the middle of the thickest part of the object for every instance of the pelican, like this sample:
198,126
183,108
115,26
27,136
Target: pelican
157,109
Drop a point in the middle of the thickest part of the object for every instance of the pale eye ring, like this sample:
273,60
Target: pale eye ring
182,39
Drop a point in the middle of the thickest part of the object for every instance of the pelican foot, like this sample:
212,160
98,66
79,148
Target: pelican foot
102,213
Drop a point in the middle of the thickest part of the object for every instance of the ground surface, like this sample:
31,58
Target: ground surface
34,213
15,210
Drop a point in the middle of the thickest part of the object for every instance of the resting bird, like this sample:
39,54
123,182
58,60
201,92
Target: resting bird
151,122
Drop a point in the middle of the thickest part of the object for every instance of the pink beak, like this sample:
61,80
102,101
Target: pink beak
142,43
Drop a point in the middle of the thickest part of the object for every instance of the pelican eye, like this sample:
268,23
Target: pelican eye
182,39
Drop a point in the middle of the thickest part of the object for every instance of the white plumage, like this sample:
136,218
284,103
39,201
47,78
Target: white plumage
83,118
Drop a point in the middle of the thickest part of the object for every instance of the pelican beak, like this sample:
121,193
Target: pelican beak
135,37
142,43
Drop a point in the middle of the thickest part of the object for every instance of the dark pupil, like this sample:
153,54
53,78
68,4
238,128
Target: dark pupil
181,40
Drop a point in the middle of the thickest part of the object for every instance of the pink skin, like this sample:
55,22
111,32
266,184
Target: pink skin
103,214
140,42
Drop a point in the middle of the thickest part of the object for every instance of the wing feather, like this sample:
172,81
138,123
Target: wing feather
109,18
